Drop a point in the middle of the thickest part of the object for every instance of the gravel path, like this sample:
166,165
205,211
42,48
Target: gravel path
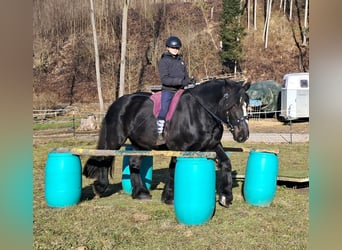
271,137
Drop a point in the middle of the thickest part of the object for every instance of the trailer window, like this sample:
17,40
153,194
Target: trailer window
304,83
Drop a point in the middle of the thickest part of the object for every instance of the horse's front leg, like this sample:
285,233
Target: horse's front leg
99,167
226,181
139,190
168,192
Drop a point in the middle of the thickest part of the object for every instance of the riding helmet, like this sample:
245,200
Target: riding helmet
173,42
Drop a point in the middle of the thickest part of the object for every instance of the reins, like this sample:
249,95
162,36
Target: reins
216,118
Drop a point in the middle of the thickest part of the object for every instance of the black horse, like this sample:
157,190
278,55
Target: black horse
195,126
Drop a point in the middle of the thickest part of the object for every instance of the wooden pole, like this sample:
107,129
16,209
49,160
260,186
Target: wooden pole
248,150
105,152
279,178
188,154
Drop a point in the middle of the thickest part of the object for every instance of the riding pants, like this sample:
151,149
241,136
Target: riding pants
166,97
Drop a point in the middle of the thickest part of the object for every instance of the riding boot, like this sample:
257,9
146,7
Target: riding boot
160,130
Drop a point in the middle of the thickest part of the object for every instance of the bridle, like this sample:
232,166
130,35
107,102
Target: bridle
230,125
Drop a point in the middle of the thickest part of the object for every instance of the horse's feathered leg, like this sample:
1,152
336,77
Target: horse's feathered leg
168,192
139,190
98,167
226,180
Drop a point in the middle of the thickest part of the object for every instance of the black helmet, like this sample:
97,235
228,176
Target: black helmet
173,42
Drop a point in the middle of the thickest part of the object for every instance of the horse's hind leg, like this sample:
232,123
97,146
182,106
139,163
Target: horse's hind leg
168,192
139,190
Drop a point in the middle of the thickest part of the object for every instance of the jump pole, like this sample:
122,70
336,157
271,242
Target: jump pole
188,154
248,150
105,152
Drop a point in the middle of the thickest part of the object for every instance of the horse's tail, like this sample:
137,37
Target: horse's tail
94,165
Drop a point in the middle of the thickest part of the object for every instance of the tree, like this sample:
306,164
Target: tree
290,14
305,22
123,47
232,34
267,22
248,13
97,61
255,13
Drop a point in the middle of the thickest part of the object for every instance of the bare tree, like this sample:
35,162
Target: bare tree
267,22
123,47
248,13
305,21
97,61
255,13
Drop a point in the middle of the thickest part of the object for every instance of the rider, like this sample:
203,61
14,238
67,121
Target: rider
173,75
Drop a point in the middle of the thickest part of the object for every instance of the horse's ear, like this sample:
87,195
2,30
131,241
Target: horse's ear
246,85
241,82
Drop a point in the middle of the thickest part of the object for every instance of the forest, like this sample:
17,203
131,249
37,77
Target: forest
276,42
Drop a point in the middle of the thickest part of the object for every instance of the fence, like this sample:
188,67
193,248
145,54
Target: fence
67,122
73,122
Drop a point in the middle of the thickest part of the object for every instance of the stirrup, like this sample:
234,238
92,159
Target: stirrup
160,126
160,130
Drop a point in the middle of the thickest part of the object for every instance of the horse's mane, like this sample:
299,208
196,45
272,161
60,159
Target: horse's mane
222,80
141,93
211,83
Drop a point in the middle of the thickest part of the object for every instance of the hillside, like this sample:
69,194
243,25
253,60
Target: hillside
64,64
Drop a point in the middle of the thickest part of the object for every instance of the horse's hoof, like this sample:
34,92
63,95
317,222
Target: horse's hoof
99,189
167,197
142,196
168,202
223,201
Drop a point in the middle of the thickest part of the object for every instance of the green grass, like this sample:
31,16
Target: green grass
293,158
57,123
119,222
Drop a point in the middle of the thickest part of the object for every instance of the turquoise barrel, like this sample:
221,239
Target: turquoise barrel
146,169
261,178
194,190
63,179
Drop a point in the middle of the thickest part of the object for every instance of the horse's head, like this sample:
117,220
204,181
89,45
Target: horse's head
233,109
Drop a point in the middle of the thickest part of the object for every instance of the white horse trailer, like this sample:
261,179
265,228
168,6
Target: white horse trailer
295,96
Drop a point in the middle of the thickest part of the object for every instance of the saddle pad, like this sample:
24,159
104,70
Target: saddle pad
156,98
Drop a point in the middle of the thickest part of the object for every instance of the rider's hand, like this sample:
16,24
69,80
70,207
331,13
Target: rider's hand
192,81
185,82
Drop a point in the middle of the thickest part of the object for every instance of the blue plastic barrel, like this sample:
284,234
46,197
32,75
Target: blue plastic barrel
261,178
194,190
146,169
63,179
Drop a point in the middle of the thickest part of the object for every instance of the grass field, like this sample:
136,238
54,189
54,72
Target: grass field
116,221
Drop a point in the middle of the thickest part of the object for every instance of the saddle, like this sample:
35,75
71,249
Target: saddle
156,98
